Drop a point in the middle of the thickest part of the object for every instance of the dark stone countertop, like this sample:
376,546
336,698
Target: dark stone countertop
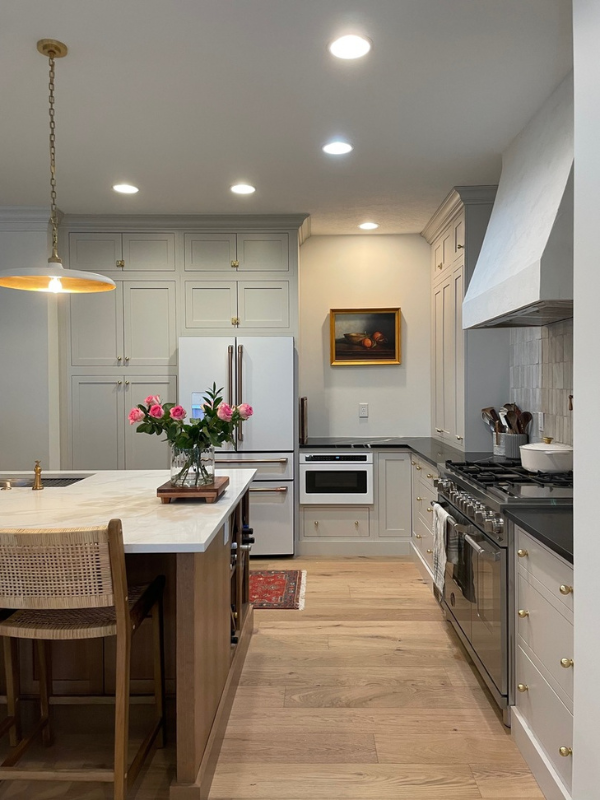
552,527
432,450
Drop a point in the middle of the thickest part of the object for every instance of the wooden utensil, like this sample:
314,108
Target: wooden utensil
525,420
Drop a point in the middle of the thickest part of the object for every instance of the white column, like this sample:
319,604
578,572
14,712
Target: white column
29,412
586,745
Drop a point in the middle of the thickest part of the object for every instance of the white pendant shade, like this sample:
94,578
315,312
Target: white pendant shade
55,279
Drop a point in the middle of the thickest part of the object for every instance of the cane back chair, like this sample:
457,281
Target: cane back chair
69,584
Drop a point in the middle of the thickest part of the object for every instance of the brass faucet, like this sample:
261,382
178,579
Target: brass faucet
37,482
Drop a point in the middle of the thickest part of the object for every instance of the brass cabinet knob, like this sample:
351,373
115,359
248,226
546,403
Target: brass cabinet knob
522,613
418,499
460,438
439,430
356,523
565,589
126,358
119,358
119,383
566,662
522,553
316,523
430,509
440,265
235,264
430,551
414,463
418,468
430,475
565,751
418,536
522,687
120,263
126,383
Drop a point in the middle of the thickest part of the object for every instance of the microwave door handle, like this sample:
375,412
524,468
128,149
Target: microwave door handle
479,550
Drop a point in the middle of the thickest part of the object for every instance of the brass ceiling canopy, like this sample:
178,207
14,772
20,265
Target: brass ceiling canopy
53,278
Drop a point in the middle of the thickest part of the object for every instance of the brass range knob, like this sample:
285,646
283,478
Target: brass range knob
522,613
566,662
565,589
565,751
522,553
522,687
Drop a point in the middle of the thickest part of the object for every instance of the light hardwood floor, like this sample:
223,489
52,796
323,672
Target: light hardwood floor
364,694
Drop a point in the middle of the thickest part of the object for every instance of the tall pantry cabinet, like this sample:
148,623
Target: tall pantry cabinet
175,276
469,369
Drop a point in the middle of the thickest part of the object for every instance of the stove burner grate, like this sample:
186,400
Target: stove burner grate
501,473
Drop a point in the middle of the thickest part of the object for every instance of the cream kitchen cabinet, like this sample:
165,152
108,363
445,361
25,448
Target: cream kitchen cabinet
149,251
542,718
240,252
100,434
337,522
470,369
244,305
423,494
133,326
393,495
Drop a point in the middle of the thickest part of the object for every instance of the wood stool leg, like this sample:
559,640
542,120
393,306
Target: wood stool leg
45,666
11,669
122,715
159,668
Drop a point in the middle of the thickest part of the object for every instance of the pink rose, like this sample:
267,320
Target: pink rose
178,412
152,400
225,412
135,415
245,410
156,411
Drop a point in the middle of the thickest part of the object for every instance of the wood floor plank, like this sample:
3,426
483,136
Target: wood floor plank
510,783
303,747
446,748
416,695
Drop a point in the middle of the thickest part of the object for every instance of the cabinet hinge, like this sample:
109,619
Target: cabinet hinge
235,264
121,263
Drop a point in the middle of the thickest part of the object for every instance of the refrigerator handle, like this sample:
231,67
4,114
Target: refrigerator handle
230,375
240,387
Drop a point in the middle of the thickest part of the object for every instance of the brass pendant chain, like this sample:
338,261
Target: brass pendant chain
53,212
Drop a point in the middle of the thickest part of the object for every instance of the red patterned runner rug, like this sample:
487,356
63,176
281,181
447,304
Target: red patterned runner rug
273,588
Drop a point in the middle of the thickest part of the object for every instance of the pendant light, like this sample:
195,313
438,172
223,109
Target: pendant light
53,278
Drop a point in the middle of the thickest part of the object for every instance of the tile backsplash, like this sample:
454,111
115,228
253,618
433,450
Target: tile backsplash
541,377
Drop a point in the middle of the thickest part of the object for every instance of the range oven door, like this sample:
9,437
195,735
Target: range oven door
459,584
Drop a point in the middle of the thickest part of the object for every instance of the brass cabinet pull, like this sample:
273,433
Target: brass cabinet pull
414,463
316,523
235,264
460,246
356,523
522,553
522,613
419,468
418,499
460,438
439,430
119,383
126,383
418,536
566,662
224,461
430,551
440,265
430,475
565,589
281,489
430,510
119,358
522,687
565,751
126,358
121,263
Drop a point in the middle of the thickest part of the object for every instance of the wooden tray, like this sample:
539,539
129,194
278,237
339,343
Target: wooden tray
210,493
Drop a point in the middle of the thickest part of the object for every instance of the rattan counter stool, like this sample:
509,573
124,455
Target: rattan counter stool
70,583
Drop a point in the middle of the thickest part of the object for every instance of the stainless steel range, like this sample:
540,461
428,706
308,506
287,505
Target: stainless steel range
479,582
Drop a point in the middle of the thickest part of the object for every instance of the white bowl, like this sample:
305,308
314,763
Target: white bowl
545,457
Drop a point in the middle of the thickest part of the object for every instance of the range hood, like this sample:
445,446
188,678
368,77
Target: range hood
524,273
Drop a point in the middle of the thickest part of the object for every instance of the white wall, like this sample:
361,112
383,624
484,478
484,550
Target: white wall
375,271
586,746
29,421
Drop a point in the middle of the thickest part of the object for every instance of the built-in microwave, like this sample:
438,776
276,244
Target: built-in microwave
340,478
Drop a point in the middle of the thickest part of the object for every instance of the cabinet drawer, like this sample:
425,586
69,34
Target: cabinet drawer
274,467
546,632
547,568
427,495
423,539
550,721
333,522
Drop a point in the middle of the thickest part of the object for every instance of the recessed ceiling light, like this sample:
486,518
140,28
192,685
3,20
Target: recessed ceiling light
337,148
125,188
368,226
350,46
243,188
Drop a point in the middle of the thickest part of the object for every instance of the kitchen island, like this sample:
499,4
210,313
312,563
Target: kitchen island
191,543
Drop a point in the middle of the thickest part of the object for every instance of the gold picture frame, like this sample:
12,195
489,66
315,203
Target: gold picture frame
364,336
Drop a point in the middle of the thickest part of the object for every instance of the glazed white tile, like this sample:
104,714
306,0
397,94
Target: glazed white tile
149,526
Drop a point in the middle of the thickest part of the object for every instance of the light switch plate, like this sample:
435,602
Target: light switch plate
363,410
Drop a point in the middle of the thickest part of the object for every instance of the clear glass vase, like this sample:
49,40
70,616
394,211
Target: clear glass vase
194,466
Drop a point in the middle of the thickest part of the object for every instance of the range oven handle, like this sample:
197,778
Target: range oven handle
479,550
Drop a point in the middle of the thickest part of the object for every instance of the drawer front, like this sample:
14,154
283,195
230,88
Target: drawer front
547,568
550,721
274,467
429,477
335,522
423,539
546,632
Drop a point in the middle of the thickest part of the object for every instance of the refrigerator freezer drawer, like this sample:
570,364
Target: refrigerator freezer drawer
272,517
268,466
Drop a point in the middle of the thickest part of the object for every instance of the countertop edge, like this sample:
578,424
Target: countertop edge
538,534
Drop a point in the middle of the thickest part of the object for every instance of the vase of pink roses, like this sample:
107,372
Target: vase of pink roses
193,442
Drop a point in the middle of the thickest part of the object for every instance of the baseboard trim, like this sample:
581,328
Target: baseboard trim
199,790
548,779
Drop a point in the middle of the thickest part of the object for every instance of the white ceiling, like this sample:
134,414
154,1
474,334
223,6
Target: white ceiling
185,97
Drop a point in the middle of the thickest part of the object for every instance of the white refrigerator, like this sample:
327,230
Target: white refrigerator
259,371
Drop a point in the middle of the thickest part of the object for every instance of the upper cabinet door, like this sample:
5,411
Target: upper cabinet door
148,252
211,304
96,330
263,252
458,237
97,252
97,422
149,324
263,304
210,252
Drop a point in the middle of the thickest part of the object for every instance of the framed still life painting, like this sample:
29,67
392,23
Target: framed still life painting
364,336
